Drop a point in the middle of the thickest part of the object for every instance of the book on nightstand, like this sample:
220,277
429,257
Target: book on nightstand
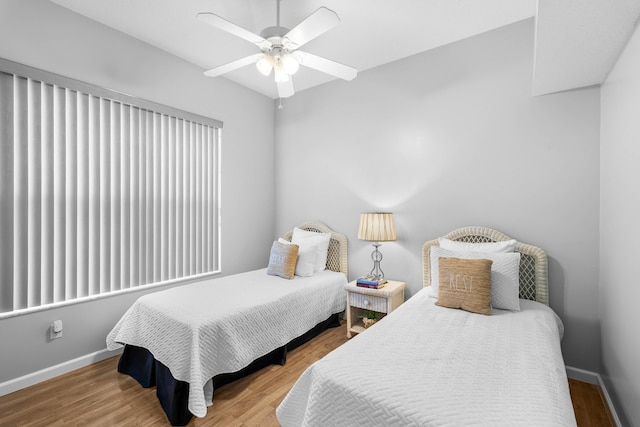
367,282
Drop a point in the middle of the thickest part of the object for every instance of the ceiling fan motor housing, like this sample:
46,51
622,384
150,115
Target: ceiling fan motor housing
275,31
275,37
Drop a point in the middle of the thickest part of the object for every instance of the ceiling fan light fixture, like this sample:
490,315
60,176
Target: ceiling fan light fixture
290,63
281,75
265,64
279,48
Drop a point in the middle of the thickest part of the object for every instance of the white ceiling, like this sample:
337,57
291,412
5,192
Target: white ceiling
577,41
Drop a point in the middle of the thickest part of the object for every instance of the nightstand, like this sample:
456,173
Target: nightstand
383,301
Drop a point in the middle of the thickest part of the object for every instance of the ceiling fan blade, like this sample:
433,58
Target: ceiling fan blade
319,22
326,65
285,89
234,65
231,28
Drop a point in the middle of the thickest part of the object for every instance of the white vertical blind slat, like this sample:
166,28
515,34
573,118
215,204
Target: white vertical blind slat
47,189
20,201
34,193
6,191
187,196
115,199
196,198
193,200
179,260
104,197
201,199
99,196
125,196
205,201
134,234
59,176
164,198
82,182
94,247
71,196
46,202
211,181
171,199
142,201
149,241
156,197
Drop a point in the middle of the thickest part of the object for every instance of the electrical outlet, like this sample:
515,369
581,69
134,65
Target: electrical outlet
55,330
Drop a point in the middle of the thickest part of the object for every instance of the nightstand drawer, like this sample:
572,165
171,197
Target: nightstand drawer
368,302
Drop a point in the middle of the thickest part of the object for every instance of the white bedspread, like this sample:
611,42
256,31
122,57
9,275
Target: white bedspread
221,325
425,365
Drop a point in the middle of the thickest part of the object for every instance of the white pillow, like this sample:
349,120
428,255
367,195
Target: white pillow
306,259
505,275
490,247
320,241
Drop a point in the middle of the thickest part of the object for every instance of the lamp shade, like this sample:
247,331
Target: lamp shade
377,227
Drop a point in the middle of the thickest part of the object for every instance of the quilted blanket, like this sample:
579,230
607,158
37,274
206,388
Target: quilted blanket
425,365
221,325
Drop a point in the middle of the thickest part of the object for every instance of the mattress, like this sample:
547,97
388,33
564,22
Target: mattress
221,325
425,365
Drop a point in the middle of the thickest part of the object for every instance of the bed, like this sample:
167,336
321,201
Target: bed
430,365
191,339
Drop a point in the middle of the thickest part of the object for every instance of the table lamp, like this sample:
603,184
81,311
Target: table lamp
377,227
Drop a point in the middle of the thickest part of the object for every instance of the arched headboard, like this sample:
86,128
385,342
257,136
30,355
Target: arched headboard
337,258
533,261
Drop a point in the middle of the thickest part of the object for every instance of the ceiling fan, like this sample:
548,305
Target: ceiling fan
279,48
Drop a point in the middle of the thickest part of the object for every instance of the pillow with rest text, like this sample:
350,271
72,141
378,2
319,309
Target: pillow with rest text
465,284
505,275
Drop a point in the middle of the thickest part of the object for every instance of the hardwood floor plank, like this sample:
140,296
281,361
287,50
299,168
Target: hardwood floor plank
589,405
97,396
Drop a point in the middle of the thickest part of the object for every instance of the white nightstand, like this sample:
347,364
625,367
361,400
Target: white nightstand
383,301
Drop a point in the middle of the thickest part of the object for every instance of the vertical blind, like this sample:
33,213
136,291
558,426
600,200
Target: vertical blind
100,195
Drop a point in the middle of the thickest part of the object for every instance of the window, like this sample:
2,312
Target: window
100,192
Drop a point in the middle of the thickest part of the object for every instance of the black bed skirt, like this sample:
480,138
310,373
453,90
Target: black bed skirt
140,364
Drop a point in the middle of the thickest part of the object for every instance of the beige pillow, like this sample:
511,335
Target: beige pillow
465,284
282,260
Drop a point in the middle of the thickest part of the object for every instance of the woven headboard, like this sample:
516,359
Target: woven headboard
533,261
337,259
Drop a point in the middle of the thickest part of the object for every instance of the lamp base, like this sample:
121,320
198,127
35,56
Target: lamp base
376,272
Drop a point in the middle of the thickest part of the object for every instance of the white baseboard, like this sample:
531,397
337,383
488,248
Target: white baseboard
614,414
54,371
582,375
594,378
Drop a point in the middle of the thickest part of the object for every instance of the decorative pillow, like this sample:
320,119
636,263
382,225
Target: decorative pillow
319,241
490,247
305,262
282,260
505,275
465,284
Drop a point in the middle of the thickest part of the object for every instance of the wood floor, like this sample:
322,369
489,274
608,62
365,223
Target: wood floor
589,405
98,395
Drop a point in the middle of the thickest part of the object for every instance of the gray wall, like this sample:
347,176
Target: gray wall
450,138
619,231
43,35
